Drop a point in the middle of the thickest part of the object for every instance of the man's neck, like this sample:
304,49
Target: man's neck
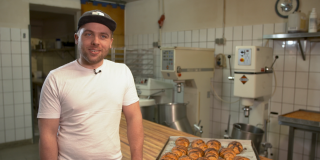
89,66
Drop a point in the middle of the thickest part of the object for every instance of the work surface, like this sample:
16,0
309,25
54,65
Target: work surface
155,137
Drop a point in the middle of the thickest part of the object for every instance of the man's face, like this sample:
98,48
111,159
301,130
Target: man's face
94,41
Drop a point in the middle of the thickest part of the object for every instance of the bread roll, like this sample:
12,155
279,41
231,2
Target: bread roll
181,141
185,157
202,158
203,146
195,153
227,153
236,146
211,151
212,157
214,144
169,156
240,158
179,150
196,143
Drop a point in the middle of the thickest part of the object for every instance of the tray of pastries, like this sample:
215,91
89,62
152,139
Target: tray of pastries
195,148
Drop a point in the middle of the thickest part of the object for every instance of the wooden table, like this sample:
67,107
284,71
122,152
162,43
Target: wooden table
155,137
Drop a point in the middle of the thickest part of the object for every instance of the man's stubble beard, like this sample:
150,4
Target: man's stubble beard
86,56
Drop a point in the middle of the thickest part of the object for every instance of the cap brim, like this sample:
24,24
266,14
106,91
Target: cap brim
98,19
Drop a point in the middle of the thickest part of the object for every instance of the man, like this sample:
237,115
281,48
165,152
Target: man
81,102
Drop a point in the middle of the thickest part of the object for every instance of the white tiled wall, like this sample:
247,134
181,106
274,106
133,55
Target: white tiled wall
15,91
298,81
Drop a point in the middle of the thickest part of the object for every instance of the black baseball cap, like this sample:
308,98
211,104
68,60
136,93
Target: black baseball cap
98,17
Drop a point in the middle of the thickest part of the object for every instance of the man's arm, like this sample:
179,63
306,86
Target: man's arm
134,130
48,146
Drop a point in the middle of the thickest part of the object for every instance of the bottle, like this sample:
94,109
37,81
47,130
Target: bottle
313,25
58,43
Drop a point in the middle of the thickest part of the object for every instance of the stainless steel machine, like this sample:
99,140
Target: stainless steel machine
193,69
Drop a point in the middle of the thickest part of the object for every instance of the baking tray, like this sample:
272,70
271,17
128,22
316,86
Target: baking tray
249,150
308,124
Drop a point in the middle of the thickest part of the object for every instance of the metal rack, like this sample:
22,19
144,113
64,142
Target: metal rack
140,61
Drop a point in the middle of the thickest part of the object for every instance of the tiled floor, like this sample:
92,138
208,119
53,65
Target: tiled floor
21,152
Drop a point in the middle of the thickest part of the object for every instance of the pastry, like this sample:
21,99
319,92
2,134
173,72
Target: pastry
214,144
227,153
212,157
196,143
202,158
203,146
240,158
179,150
195,153
236,146
181,141
169,156
185,157
211,151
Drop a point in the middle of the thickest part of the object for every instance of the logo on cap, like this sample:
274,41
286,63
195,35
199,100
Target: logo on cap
98,13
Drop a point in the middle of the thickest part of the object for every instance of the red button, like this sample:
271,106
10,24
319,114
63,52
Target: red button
241,60
179,74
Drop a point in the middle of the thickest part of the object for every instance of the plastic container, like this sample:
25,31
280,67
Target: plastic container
58,43
313,25
297,22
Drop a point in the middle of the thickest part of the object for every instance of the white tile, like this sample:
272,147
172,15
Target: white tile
216,115
235,44
218,88
16,60
9,123
247,43
7,86
135,39
16,72
280,28
25,72
257,43
311,108
224,116
315,47
247,32
181,36
227,49
187,36
283,144
15,34
10,135
20,135
211,45
6,60
314,63
1,104
25,60
218,49
217,75
5,47
302,80
277,97
291,47
237,33
274,124
195,35
288,95
0,73
274,139
211,34
284,130
268,29
278,47
242,118
219,32
145,38
168,37
19,121
307,135
226,91
5,34
203,35
307,147
267,43
290,63
27,108
234,118
17,85
6,73
314,79
16,47
228,32
298,145
286,108
257,31
216,128
303,65
279,79
235,105
289,79
18,109
1,90
27,97
297,107
195,44
225,106
28,132
188,44
180,44
282,154
156,37
26,85
140,39
301,96
27,121
150,38
7,98
223,127
203,45
174,37
313,98
2,126
18,97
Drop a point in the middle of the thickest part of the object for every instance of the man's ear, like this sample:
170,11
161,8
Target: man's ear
111,43
76,38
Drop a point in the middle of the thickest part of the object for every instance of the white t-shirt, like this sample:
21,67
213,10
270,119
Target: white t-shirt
89,106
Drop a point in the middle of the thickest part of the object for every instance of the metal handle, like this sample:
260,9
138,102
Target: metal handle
230,77
238,125
274,61
162,90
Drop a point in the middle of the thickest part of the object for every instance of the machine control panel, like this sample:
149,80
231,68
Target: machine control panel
168,60
244,56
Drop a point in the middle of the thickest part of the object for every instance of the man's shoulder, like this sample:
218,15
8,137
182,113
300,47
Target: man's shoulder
115,65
